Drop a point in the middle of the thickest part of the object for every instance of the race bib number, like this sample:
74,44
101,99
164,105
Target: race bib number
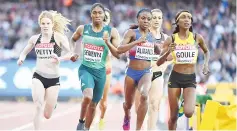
185,54
44,50
145,51
93,53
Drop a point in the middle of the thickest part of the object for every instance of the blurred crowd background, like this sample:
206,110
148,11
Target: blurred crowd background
213,19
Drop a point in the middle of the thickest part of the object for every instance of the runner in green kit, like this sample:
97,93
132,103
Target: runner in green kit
97,40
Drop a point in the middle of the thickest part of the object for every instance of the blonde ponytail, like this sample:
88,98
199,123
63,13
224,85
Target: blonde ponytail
60,22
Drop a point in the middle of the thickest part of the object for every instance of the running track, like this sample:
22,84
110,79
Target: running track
18,116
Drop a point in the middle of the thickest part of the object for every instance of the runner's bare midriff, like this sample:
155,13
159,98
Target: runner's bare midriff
184,68
139,64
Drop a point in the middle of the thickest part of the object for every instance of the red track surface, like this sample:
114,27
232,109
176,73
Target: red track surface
19,116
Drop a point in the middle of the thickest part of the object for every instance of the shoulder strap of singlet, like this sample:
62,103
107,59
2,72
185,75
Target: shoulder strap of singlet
86,28
52,40
108,28
162,36
172,37
150,36
38,40
195,36
195,39
136,31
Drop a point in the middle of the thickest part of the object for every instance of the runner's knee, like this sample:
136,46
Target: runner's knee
144,99
144,92
88,93
188,113
93,105
39,104
47,114
153,105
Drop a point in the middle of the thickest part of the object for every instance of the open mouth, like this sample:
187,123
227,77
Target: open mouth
186,24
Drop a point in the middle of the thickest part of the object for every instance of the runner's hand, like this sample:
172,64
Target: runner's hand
74,58
19,62
205,69
172,47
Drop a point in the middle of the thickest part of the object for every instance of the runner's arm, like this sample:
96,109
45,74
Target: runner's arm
203,46
165,52
126,43
76,35
27,49
115,39
65,46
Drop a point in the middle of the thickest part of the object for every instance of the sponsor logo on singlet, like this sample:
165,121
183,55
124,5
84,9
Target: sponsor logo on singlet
44,50
93,53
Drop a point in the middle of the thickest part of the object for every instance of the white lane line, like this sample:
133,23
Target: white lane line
14,114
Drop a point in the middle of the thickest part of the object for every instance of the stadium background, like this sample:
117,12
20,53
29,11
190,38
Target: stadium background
215,20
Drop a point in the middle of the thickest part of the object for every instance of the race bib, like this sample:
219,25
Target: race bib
44,50
185,54
93,53
145,51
